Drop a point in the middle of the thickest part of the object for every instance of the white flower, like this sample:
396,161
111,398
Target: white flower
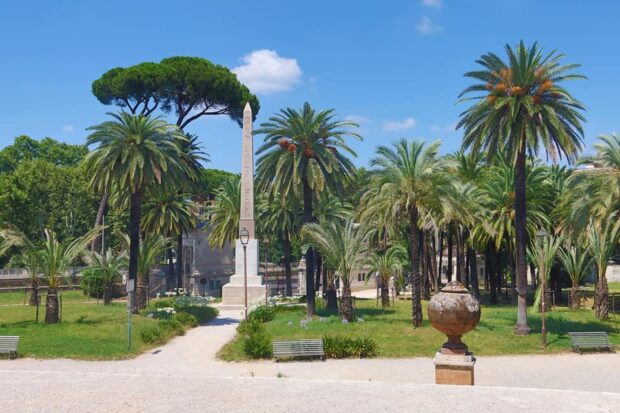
360,320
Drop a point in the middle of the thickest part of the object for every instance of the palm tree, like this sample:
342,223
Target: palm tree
344,249
304,154
134,153
106,269
55,259
602,241
170,213
543,252
280,220
522,107
29,259
390,263
406,185
224,213
576,262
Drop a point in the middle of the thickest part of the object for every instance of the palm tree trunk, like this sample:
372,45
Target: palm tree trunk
521,243
34,293
103,206
51,307
135,205
460,256
601,296
346,309
286,245
385,292
573,297
308,217
414,237
319,264
332,296
440,266
491,257
449,235
180,260
170,277
425,287
107,294
473,272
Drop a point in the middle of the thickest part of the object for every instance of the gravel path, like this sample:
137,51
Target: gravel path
184,376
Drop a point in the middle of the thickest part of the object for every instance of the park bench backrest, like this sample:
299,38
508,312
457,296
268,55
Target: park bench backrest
592,340
8,344
298,348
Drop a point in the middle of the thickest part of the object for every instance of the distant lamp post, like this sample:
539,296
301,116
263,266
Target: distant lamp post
542,236
244,237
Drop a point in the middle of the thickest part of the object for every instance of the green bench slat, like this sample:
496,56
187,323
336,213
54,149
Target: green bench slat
590,340
8,344
298,348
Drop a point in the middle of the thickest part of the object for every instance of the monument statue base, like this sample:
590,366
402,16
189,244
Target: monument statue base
454,369
233,293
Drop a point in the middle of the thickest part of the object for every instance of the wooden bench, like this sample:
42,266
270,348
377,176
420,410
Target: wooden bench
8,345
596,340
298,348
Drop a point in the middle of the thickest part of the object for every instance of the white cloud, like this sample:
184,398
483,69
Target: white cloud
68,128
432,3
426,26
360,120
391,126
264,71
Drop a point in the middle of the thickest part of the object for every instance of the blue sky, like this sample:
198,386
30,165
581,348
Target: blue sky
394,66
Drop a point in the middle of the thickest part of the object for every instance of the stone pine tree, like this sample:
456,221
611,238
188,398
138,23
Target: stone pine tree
520,107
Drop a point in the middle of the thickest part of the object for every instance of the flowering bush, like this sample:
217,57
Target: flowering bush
164,313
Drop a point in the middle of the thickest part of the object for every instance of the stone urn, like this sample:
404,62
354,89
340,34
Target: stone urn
454,312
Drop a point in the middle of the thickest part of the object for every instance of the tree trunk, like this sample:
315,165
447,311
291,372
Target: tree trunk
332,296
170,278
319,264
460,256
425,287
473,272
449,235
101,211
491,257
573,297
521,327
141,294
51,307
286,245
308,217
513,275
556,283
107,294
601,297
346,308
135,205
385,291
440,272
179,271
414,237
34,293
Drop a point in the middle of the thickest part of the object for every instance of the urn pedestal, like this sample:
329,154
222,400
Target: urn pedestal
454,312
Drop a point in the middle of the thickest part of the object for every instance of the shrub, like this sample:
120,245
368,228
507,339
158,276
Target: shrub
256,340
151,334
346,347
186,319
262,314
171,327
161,303
202,313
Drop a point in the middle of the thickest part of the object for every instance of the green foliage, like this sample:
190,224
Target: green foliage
189,87
339,347
37,194
203,314
151,334
186,319
212,180
92,283
262,314
25,148
256,340
225,212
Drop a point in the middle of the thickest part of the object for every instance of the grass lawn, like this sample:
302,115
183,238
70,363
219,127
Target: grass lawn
87,330
392,330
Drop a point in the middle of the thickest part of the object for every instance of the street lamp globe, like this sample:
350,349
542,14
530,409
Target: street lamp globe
244,236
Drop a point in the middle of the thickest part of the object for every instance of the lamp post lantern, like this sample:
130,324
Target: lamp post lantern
244,237
542,236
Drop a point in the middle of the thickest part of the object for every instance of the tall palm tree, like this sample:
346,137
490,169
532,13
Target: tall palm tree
134,153
576,262
224,213
602,241
280,220
304,153
55,259
105,268
543,252
170,213
344,248
390,263
406,185
520,107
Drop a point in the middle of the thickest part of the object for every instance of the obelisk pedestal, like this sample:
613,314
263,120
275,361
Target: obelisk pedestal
233,293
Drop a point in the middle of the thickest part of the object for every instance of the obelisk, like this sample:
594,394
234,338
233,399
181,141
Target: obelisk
233,292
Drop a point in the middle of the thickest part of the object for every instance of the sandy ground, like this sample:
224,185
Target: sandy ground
185,376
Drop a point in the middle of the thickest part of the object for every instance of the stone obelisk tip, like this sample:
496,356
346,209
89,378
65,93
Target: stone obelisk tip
247,107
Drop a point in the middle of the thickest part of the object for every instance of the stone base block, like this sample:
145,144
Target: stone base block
454,369
233,295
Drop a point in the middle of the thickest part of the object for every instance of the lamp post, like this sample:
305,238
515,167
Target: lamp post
542,235
244,237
